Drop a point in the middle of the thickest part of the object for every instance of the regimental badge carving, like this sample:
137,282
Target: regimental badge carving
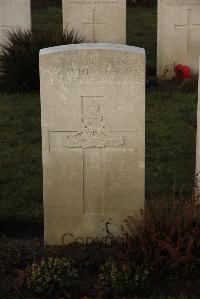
94,132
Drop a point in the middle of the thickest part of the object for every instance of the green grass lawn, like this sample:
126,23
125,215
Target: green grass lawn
49,18
20,159
170,131
142,32
170,142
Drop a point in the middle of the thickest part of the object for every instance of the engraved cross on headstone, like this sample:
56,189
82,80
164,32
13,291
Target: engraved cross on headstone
189,26
94,133
93,24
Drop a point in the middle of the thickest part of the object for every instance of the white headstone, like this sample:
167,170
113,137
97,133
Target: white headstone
93,132
178,34
101,21
14,14
198,135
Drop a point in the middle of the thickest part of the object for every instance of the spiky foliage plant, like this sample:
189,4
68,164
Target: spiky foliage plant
167,237
19,56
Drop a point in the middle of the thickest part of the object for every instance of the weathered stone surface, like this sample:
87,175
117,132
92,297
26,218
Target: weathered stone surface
198,135
178,34
93,131
102,21
14,14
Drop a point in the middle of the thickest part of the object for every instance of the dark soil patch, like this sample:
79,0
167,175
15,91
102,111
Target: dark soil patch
17,254
25,228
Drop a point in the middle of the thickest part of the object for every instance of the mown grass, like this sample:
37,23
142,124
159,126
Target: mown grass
142,32
20,159
170,142
49,18
170,131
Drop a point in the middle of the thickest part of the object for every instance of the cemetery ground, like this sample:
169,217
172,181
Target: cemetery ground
170,164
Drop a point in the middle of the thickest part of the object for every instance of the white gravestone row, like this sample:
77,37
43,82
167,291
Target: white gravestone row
93,128
178,34
102,21
14,14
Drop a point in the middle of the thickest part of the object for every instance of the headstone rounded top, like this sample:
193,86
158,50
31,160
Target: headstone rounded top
92,46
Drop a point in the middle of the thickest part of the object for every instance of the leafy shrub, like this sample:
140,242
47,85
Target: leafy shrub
19,57
167,238
124,278
53,274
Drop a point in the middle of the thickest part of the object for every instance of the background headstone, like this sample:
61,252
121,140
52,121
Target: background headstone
14,14
178,34
198,134
102,21
93,131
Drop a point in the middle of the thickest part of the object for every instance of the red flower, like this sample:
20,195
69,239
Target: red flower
182,72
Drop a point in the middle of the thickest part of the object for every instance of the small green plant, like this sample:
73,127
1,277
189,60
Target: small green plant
124,278
53,274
